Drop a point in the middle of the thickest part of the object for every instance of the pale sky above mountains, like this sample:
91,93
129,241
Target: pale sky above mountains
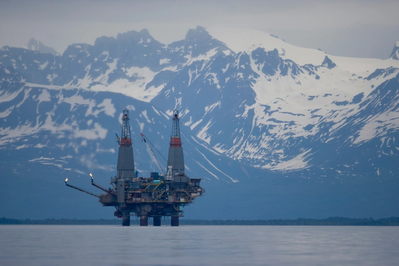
355,28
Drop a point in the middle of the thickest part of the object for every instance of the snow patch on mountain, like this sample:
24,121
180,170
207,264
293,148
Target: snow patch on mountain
203,135
296,163
96,132
6,112
210,172
203,57
49,161
108,108
6,96
247,40
75,101
216,168
378,126
46,122
92,163
362,66
301,101
44,65
44,96
137,89
26,96
195,124
144,114
211,107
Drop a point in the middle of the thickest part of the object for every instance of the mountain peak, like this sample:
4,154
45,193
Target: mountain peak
395,52
198,34
33,44
144,33
38,46
328,63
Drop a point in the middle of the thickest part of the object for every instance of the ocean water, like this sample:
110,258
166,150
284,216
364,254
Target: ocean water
198,245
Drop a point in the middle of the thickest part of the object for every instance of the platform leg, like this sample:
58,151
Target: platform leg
157,220
174,221
143,220
126,219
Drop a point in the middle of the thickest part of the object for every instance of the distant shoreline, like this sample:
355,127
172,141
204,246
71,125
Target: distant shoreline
332,221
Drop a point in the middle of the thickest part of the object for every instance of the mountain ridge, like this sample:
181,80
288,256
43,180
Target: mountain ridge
262,124
35,45
257,75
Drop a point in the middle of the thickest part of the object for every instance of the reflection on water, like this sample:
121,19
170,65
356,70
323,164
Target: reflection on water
198,245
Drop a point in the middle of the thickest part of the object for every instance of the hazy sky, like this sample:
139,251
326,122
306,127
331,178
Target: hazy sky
357,28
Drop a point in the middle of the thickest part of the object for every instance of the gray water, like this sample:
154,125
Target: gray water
198,245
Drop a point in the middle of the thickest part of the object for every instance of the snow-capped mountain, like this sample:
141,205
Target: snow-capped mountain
35,45
300,131
395,52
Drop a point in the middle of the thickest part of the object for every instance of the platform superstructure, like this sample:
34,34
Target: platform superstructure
153,197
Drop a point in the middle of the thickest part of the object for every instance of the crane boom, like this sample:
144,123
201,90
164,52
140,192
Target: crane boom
118,140
152,153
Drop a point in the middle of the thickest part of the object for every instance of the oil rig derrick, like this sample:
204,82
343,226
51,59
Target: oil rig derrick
157,196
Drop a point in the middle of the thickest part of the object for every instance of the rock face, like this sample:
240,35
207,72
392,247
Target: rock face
34,45
299,132
395,52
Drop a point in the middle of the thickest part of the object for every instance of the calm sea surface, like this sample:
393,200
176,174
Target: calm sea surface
198,245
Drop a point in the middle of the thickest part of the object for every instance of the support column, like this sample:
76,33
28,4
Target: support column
174,221
143,220
126,218
157,220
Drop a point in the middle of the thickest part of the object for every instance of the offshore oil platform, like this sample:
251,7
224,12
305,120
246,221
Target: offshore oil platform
156,196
